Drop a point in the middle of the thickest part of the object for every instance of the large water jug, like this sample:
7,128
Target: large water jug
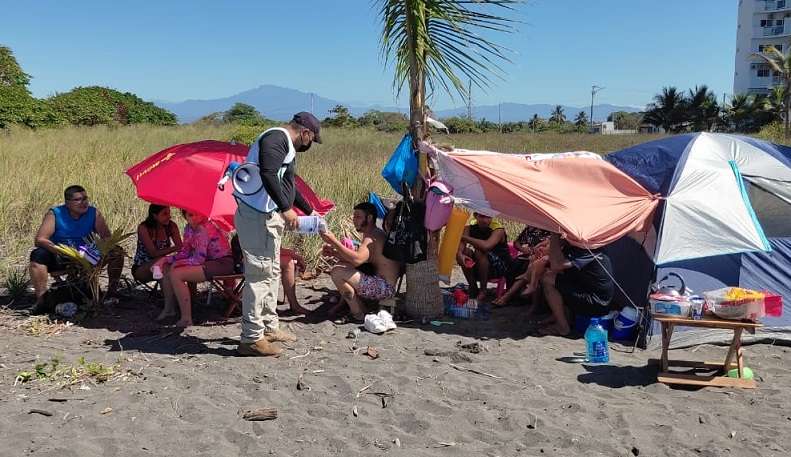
596,342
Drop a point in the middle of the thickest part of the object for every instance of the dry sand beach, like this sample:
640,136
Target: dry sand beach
469,389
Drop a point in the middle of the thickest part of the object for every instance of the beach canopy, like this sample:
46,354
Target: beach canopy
578,194
724,220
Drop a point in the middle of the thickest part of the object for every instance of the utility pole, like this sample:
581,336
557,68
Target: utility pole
499,117
312,103
594,90
469,100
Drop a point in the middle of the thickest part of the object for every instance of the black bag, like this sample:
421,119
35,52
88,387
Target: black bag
406,241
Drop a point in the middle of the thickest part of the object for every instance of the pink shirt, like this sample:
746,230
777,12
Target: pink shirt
206,242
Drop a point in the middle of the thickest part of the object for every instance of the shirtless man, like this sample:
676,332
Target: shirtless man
352,283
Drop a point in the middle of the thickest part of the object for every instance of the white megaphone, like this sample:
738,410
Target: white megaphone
246,179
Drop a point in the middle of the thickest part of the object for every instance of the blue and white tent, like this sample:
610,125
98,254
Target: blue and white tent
725,219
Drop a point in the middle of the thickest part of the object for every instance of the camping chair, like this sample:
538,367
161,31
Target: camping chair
501,282
233,295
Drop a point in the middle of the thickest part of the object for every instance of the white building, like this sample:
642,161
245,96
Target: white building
761,23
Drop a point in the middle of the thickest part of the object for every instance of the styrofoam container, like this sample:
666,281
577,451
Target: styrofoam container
669,305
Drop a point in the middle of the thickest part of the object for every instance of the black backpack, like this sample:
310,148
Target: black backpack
406,240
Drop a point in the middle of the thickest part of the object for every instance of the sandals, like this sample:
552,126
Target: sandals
349,319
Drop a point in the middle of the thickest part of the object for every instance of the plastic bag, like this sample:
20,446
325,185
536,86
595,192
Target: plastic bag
402,166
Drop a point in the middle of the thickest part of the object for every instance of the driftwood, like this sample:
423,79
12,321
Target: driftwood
261,414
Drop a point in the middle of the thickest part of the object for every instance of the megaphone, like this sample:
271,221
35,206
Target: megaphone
246,179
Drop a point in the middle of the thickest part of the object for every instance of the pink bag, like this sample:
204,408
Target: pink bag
439,204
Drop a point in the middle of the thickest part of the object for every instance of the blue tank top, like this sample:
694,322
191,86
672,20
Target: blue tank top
72,231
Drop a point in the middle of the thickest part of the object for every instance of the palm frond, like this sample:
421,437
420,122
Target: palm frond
441,39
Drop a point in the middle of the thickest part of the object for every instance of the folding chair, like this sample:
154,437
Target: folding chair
233,295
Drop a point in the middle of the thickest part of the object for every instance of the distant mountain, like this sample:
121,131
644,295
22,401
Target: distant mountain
513,112
280,103
274,102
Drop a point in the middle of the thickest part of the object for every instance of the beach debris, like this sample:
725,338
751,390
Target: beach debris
533,421
260,414
301,385
353,334
459,357
317,371
635,451
43,412
360,392
474,348
107,410
701,420
732,435
441,323
445,444
300,356
471,370
354,411
397,442
380,445
372,353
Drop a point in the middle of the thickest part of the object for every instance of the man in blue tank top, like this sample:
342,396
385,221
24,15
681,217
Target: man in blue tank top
69,224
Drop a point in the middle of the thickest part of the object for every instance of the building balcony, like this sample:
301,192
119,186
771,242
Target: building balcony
774,31
772,6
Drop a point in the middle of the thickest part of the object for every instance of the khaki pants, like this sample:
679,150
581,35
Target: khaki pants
259,236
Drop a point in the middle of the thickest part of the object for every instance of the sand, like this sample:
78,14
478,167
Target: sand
182,393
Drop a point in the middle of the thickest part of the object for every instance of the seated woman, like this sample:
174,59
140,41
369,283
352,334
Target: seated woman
157,236
204,254
532,244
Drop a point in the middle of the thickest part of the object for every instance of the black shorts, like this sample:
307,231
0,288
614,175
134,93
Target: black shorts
580,301
53,262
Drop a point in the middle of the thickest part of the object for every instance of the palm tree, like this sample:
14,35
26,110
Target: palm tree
740,112
434,43
557,116
534,123
774,103
581,121
667,110
781,65
702,108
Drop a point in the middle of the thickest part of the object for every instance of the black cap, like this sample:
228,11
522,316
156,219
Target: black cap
310,122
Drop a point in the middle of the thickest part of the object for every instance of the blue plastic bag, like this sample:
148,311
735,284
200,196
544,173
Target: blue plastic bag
402,166
374,199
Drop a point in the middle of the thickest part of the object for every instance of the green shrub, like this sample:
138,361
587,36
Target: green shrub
96,105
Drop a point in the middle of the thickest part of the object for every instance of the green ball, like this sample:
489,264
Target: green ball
746,371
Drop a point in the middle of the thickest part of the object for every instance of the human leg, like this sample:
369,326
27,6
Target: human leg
41,263
555,303
259,237
142,272
289,280
346,280
482,266
168,293
179,277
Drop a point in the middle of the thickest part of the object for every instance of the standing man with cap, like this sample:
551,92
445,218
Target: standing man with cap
261,217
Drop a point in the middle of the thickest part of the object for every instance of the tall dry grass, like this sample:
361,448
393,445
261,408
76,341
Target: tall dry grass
36,166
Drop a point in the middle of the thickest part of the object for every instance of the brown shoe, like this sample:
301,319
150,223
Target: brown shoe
280,335
261,348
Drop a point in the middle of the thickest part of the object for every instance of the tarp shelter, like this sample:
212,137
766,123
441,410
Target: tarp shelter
725,219
578,194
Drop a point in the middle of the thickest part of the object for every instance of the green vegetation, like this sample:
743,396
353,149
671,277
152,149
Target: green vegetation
55,371
81,106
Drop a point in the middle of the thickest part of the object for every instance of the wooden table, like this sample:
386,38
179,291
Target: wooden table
720,379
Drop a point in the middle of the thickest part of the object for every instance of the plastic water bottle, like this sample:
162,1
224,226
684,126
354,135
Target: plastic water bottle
156,272
311,225
596,342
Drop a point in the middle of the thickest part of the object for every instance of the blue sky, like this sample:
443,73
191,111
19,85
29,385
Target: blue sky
177,50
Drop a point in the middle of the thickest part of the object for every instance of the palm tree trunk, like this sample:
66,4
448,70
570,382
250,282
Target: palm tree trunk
417,83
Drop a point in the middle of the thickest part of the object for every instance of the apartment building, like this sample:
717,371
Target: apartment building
761,23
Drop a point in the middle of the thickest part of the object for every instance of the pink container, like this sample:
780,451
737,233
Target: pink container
439,205
773,304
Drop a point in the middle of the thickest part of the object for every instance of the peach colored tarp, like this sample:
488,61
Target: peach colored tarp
577,194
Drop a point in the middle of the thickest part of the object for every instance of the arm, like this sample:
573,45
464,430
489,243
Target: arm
354,258
101,226
488,244
557,261
272,150
460,252
175,235
198,252
45,232
151,248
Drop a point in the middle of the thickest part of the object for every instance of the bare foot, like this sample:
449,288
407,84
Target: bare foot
297,309
165,314
184,323
502,301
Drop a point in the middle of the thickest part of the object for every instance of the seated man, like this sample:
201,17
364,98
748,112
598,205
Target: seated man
483,253
578,279
69,224
352,283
